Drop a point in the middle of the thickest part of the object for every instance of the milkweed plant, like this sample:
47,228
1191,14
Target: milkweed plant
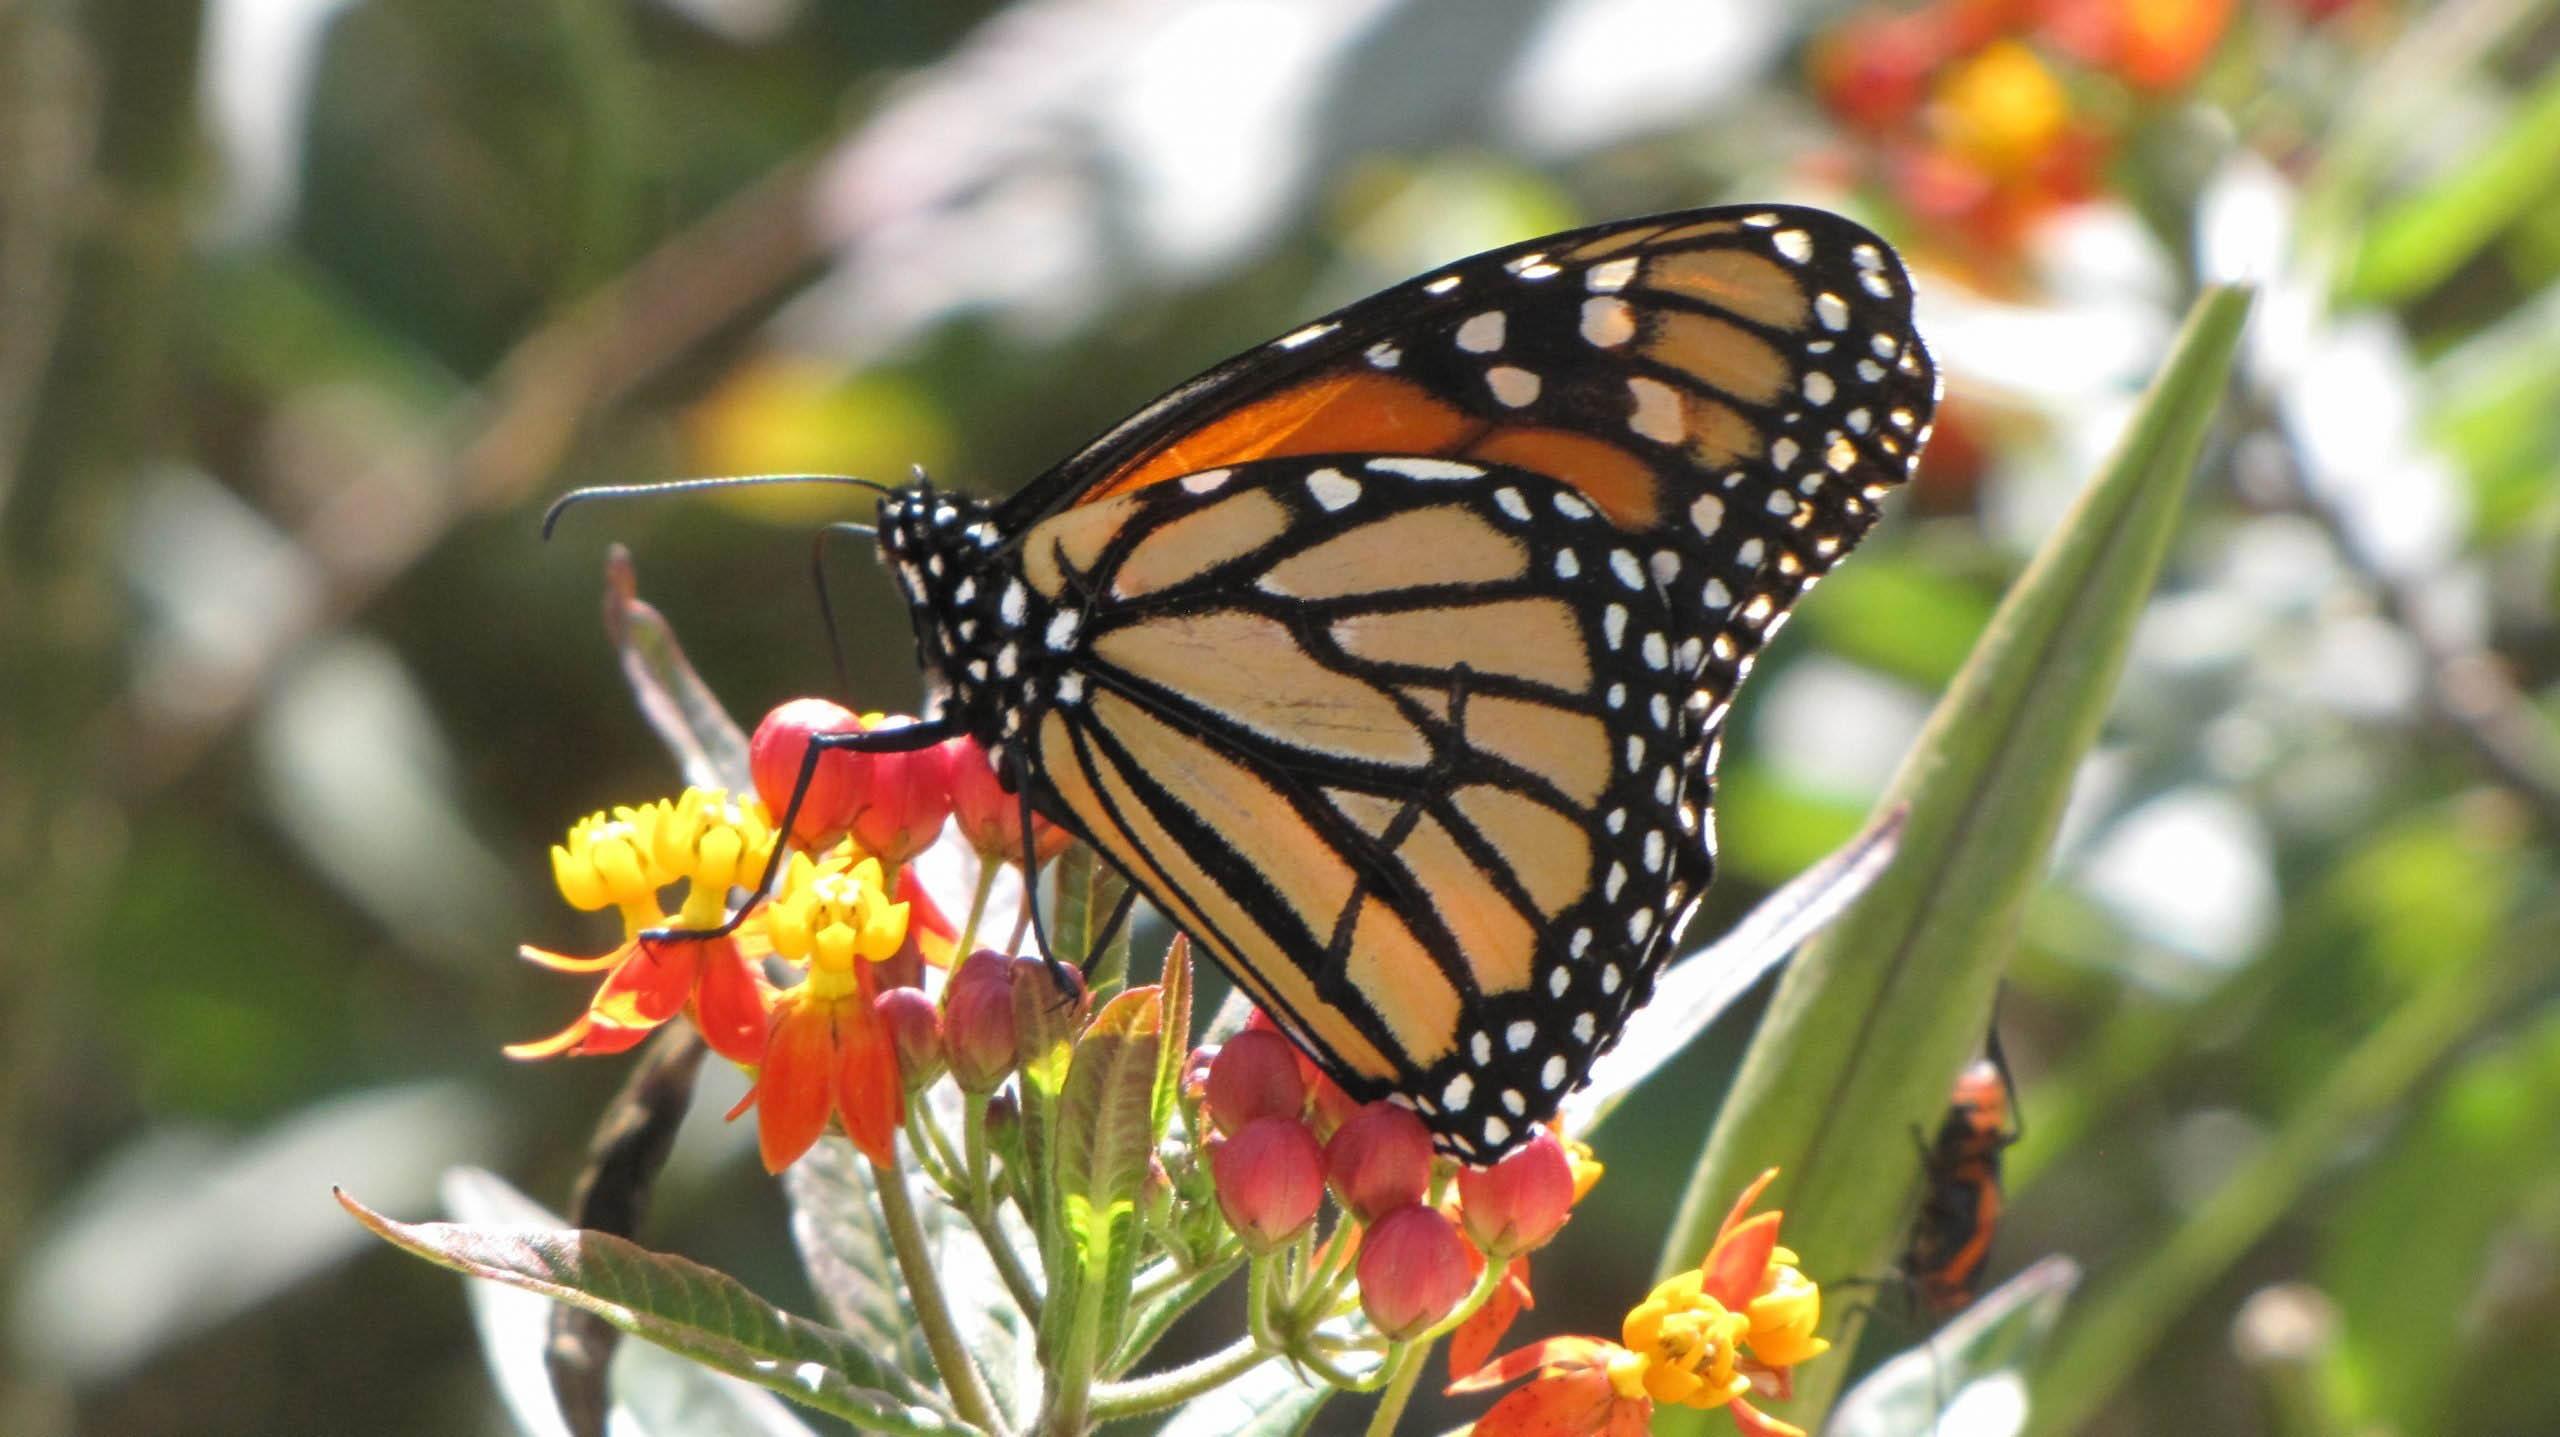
1015,1167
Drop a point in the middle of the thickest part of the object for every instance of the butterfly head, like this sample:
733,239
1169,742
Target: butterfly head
968,610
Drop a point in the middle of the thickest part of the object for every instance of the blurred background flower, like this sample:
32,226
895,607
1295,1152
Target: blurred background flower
308,306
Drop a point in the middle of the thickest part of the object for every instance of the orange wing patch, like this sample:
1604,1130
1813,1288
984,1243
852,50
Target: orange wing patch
1359,410
1342,411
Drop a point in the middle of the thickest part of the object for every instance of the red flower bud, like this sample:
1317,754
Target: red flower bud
1379,1161
1270,1179
779,748
1255,1075
1414,1270
990,818
892,804
915,1026
979,1036
1518,1203
1259,1021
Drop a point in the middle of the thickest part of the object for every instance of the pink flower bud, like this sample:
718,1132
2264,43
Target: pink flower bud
990,818
1518,1203
1255,1075
779,748
1413,1270
1270,1180
979,1037
1378,1161
915,1026
906,798
1049,1006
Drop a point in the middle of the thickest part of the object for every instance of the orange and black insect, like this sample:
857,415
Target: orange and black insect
1960,1211
1389,660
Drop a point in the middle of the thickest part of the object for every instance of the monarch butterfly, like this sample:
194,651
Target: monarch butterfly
1389,659
1951,1238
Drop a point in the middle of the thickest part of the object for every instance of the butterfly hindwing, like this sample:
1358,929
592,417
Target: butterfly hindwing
1439,818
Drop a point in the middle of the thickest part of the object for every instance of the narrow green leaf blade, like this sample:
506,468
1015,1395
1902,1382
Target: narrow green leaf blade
1940,1381
683,1306
1870,1024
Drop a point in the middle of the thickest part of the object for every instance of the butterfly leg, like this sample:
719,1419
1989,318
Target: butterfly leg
908,739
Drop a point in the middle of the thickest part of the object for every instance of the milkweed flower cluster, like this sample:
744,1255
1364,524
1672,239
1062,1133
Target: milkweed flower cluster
1985,117
847,927
1735,1326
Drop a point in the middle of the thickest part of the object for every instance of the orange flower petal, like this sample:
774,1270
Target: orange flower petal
729,1006
553,1046
656,983
1756,1423
1475,1338
1738,1261
929,930
1742,1205
868,1091
1578,1403
1561,1352
564,963
795,1090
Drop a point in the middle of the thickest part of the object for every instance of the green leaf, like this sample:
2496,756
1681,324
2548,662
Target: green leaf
2414,245
1696,989
689,1309
1272,1400
653,1391
844,1245
1105,1134
1870,1024
1996,1338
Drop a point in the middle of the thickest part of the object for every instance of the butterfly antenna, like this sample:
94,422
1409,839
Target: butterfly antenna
551,516
826,605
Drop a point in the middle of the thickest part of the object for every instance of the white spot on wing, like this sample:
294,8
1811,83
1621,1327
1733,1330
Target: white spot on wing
1483,333
1610,276
1608,322
1512,385
1832,310
1206,481
1793,244
1309,335
1422,467
1333,489
1657,411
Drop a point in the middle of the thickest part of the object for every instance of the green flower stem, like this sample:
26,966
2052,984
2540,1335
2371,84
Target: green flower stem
951,1358
1157,1312
2114,1332
1115,1400
977,909
1405,1370
1259,1275
932,1147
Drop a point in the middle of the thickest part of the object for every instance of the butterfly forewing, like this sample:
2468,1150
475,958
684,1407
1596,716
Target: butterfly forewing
1388,659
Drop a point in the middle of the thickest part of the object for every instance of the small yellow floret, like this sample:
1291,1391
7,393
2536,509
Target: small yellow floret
1689,1343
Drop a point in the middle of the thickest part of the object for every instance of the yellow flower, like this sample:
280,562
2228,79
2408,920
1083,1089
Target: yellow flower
607,862
712,841
1689,1343
829,917
1784,1315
